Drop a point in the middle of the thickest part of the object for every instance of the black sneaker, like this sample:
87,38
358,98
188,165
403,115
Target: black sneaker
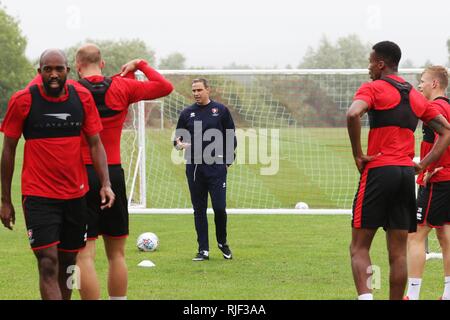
225,251
201,256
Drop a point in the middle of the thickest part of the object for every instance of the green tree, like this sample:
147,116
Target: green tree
348,52
15,69
174,61
235,66
427,63
408,63
115,53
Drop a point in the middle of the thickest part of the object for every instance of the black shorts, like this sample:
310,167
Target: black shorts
53,222
433,204
386,198
111,222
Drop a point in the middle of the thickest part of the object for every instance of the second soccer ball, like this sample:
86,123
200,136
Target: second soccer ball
301,205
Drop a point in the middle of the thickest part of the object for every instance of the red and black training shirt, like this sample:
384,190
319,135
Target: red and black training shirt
395,145
52,166
123,92
444,161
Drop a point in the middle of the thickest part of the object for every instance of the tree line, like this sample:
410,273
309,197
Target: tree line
16,69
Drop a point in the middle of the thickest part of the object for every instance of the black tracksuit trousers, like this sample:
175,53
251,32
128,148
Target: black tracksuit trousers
204,179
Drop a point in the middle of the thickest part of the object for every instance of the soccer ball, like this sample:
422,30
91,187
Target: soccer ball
147,242
301,205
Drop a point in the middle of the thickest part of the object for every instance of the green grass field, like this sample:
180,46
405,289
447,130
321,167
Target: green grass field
275,256
315,166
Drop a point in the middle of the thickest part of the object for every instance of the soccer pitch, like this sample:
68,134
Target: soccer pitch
275,257
281,257
315,166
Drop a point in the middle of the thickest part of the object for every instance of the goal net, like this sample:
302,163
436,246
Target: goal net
293,144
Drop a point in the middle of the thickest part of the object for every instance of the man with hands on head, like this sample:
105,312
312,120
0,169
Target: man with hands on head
113,96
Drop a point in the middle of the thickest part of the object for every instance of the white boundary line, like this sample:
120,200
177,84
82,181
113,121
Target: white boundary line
246,211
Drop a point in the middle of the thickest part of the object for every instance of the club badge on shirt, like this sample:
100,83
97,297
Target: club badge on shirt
215,112
30,236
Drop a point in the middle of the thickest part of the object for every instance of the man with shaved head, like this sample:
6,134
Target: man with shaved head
53,116
51,88
89,54
112,96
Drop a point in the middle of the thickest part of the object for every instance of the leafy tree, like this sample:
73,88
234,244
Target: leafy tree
15,69
408,63
235,66
115,53
427,63
348,52
174,61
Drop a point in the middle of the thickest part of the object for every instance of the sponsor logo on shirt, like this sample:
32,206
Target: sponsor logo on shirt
44,123
61,116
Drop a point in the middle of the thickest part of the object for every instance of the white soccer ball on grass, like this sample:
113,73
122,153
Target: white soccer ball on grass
301,205
147,242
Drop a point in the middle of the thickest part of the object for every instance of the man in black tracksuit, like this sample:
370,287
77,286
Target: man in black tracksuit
206,131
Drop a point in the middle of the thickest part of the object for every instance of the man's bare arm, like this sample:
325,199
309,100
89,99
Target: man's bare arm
7,213
357,109
100,163
441,126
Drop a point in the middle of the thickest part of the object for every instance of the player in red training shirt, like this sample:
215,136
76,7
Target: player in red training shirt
386,192
433,201
52,117
112,97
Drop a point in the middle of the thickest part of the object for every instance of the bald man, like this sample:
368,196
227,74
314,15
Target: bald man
52,117
112,96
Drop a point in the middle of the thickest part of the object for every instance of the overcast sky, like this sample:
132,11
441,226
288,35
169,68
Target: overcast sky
216,33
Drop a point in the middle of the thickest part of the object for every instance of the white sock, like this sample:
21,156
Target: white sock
366,296
118,298
446,294
414,285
